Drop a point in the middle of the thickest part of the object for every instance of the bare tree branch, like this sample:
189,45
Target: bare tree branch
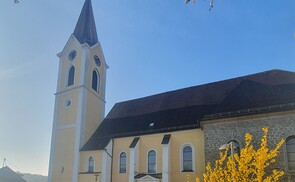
193,1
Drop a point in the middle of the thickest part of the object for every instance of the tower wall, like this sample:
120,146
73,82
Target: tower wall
79,109
79,99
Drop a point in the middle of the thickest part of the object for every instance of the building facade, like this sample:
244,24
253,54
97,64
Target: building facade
280,125
167,137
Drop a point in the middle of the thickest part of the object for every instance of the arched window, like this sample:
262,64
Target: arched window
187,159
95,80
122,163
90,164
71,76
152,161
236,147
290,143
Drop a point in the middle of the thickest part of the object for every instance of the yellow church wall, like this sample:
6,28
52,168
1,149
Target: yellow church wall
96,52
62,82
63,155
193,137
67,115
89,177
94,114
66,65
147,143
121,145
177,140
83,169
95,102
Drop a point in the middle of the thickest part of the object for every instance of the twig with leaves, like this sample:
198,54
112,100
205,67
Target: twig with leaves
194,1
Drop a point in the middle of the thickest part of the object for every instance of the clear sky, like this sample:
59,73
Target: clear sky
151,46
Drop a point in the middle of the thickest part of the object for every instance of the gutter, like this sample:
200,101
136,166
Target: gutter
258,110
271,108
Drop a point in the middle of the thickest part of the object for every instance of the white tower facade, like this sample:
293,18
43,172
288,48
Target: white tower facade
79,99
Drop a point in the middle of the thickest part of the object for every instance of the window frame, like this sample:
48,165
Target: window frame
181,161
147,161
88,165
97,81
186,161
286,154
119,163
68,76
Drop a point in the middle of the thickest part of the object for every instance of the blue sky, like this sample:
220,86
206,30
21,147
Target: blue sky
151,46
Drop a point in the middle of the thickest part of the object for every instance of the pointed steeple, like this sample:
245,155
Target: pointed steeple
85,31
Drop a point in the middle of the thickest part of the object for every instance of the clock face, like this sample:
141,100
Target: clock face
72,55
97,60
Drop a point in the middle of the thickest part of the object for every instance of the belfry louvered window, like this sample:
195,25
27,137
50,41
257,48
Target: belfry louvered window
95,80
71,76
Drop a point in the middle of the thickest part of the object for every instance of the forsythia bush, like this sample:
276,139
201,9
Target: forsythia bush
249,166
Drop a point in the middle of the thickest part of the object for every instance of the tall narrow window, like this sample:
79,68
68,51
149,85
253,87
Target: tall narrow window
123,162
187,159
290,143
71,76
95,80
152,161
90,164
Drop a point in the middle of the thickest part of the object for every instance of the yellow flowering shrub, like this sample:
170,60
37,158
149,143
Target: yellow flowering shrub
249,166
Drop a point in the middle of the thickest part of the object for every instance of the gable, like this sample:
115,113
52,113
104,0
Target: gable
148,177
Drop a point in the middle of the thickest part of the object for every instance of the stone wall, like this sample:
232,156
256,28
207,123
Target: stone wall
221,131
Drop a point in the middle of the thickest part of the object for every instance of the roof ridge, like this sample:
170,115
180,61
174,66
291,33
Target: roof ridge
214,82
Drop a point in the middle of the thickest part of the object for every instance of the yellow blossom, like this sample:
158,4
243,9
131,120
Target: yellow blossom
249,166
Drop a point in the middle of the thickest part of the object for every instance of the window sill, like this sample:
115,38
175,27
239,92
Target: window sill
151,173
89,172
187,171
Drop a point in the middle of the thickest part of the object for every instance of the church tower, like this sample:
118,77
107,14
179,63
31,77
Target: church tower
79,99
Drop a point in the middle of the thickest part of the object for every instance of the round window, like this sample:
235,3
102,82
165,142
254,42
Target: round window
68,103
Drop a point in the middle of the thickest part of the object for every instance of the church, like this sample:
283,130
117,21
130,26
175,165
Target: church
167,137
